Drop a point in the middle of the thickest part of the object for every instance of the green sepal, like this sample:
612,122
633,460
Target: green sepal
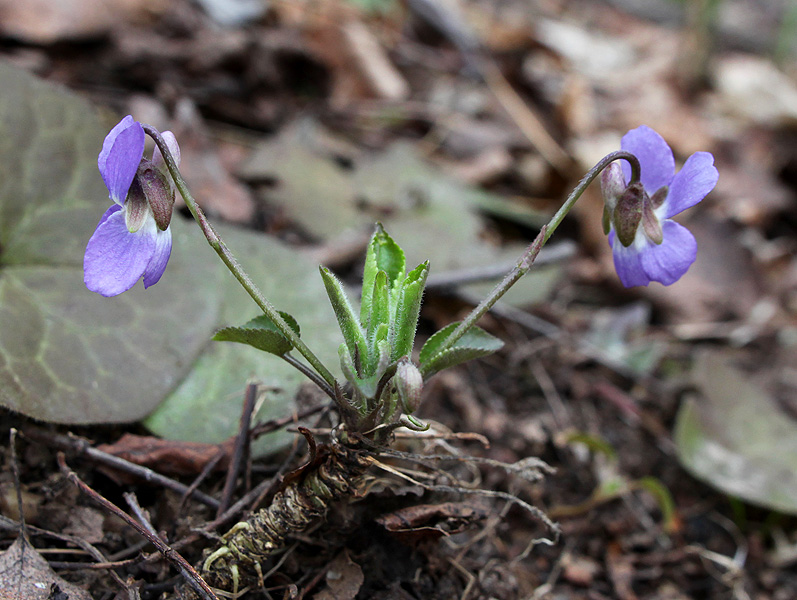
383,254
408,307
474,344
260,333
347,319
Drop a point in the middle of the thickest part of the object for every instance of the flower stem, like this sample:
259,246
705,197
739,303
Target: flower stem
232,263
527,258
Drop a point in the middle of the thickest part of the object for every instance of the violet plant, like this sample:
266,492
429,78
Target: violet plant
382,378
646,244
132,239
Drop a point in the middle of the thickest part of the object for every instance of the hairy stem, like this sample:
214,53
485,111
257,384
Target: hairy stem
232,263
527,258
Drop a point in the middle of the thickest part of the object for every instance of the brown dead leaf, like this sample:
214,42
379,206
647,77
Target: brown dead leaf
25,575
210,180
168,456
344,579
723,282
753,89
580,570
621,572
431,521
373,64
48,21
86,523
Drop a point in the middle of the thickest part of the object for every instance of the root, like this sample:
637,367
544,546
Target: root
304,497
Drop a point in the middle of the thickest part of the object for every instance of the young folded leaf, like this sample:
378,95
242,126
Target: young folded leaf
380,305
260,333
408,307
383,254
347,320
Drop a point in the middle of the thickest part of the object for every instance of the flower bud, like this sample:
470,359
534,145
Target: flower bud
409,384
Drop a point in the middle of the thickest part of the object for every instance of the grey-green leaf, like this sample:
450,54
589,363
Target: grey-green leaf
66,354
476,343
204,407
260,333
736,437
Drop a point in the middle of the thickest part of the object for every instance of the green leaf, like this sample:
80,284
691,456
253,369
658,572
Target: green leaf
205,406
383,254
476,343
737,438
261,333
405,322
347,319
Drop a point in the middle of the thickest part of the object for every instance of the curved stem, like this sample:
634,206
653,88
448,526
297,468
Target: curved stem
310,374
527,258
232,263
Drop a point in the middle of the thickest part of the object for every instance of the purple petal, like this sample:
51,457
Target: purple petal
668,261
174,148
655,157
157,264
627,263
691,184
119,158
115,259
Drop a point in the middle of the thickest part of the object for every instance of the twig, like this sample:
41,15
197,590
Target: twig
12,443
206,471
83,447
240,450
187,571
458,277
275,424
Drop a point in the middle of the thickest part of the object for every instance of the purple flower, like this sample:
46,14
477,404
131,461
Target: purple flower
646,244
132,239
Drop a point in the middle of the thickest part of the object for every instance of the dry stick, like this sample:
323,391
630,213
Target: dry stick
458,277
83,447
241,449
187,571
206,471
